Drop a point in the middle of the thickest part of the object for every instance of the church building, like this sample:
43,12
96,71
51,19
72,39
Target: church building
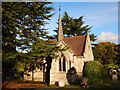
68,67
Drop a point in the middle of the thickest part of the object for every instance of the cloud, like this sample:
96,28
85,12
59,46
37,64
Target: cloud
107,37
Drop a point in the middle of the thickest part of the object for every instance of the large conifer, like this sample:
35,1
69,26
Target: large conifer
23,28
75,27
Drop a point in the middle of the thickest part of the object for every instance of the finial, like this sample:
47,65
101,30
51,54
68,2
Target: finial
59,9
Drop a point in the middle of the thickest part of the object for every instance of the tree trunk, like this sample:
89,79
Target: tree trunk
32,75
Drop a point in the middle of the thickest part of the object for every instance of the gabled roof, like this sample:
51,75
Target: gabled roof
76,44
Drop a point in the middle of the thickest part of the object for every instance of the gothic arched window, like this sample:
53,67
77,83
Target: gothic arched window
62,63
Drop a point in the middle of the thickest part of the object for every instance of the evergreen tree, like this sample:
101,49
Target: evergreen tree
23,28
9,32
75,27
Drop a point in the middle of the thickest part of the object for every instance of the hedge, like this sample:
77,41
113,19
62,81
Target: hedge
95,71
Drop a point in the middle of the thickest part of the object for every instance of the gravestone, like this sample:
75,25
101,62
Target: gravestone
118,69
61,83
72,76
114,74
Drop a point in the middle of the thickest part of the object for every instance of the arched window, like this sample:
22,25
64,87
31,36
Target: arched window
62,63
69,64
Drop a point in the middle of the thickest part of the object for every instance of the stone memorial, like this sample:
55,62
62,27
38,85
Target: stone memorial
61,83
72,76
114,74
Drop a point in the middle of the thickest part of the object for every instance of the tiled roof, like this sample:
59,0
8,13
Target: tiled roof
76,44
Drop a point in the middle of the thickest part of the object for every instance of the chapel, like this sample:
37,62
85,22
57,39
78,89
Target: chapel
68,67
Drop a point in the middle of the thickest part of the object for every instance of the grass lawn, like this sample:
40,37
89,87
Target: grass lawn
107,85
57,87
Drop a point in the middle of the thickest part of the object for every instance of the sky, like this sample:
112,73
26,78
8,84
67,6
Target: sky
61,0
103,16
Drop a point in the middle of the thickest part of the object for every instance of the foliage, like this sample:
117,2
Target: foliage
20,66
94,70
112,65
75,27
23,30
106,53
117,49
40,51
26,24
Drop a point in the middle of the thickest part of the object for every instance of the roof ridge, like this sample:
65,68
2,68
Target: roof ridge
70,37
75,36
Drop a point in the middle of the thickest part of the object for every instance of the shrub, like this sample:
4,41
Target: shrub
95,72
112,65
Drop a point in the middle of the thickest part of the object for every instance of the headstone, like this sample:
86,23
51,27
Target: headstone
72,76
114,75
61,83
118,69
